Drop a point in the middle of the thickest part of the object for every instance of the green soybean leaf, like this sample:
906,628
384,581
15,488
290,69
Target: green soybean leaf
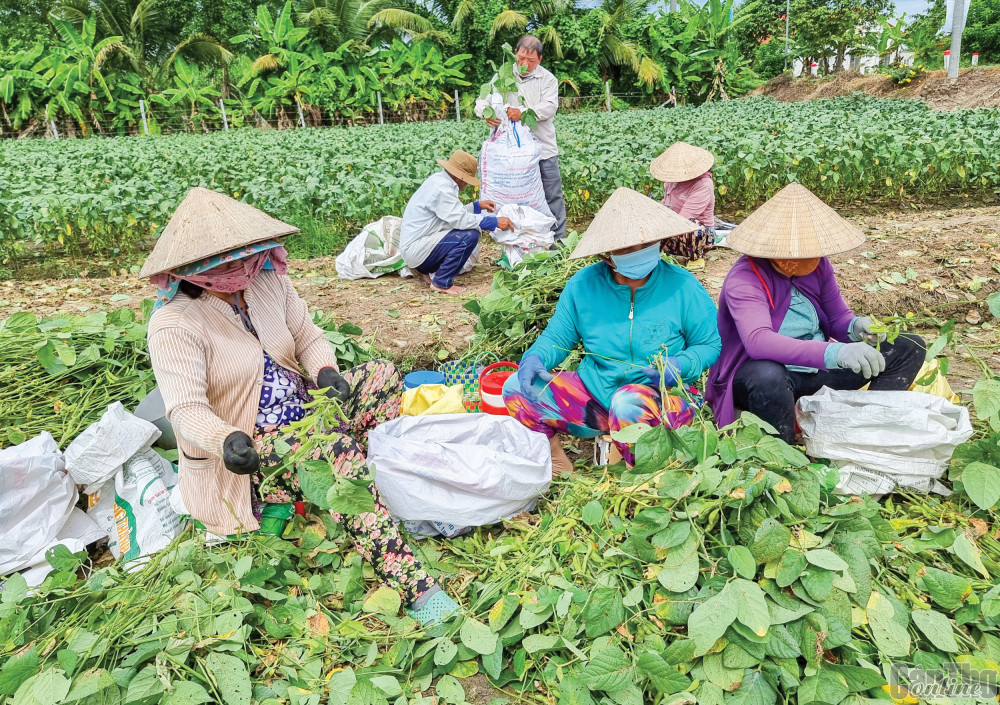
890,638
665,678
603,612
937,628
743,562
770,541
592,513
790,567
754,690
478,637
609,670
573,691
710,619
232,677
825,558
825,686
187,693
751,609
948,590
982,484
679,571
18,668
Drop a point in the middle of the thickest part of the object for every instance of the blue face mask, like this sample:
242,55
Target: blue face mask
638,264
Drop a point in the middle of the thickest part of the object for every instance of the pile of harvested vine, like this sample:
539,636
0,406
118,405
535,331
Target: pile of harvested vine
721,569
60,374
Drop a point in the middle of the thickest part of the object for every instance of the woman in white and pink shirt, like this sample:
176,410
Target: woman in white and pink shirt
688,190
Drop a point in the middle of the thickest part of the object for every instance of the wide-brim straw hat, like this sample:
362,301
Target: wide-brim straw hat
794,224
628,218
462,165
681,162
207,223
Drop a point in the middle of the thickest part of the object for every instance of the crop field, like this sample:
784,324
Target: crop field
722,569
108,196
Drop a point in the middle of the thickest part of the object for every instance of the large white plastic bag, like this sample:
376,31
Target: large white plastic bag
135,510
532,231
883,440
97,453
458,469
374,252
508,168
36,498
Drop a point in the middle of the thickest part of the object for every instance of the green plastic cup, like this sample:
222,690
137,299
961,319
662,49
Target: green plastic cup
274,518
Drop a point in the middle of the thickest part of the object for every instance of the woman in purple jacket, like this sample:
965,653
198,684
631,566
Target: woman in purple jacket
786,329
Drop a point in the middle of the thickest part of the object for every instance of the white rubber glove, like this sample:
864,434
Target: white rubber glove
861,357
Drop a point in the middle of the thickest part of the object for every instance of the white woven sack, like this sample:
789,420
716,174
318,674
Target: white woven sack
882,441
508,168
458,469
374,252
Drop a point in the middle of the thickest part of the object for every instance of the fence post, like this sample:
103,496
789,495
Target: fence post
607,94
378,94
458,108
225,121
958,25
975,58
55,131
947,55
142,111
302,120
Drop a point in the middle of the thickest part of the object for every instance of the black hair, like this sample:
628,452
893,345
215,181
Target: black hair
192,290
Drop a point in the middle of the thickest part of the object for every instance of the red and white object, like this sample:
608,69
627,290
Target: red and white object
491,381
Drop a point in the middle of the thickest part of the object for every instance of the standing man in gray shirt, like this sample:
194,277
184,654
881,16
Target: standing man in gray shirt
539,90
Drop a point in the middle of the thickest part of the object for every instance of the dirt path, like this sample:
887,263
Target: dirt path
945,261
974,88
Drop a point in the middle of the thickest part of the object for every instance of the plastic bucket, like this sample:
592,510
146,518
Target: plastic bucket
274,518
491,382
415,379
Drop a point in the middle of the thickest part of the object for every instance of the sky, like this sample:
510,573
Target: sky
910,7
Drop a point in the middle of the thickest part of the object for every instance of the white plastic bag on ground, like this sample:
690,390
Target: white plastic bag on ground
532,231
36,498
134,509
374,252
883,440
458,469
508,168
97,453
76,534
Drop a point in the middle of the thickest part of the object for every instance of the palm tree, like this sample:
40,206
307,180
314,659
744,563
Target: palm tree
149,50
616,51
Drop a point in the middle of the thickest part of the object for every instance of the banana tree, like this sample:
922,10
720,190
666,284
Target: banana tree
730,74
21,88
284,41
192,94
72,70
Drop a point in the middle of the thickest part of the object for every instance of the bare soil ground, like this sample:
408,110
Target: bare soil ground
945,262
974,88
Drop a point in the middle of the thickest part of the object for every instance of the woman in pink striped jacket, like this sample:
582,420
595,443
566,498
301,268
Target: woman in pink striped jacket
235,351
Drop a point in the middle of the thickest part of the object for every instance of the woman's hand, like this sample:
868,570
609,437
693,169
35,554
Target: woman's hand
671,375
239,455
337,387
531,370
861,358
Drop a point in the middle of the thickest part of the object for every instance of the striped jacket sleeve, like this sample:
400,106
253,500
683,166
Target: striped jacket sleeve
179,362
312,349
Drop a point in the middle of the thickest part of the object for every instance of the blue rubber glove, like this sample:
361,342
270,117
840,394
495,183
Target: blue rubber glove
671,375
529,372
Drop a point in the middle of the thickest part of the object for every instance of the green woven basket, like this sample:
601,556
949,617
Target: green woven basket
466,372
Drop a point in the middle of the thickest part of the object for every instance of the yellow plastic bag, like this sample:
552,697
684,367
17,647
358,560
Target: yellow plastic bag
938,386
428,399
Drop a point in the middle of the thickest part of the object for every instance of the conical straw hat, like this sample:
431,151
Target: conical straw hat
794,224
628,218
207,223
681,162
462,165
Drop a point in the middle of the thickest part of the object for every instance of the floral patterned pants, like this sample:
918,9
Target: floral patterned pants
376,391
565,405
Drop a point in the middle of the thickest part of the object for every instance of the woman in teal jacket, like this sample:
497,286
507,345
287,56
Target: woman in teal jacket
626,310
